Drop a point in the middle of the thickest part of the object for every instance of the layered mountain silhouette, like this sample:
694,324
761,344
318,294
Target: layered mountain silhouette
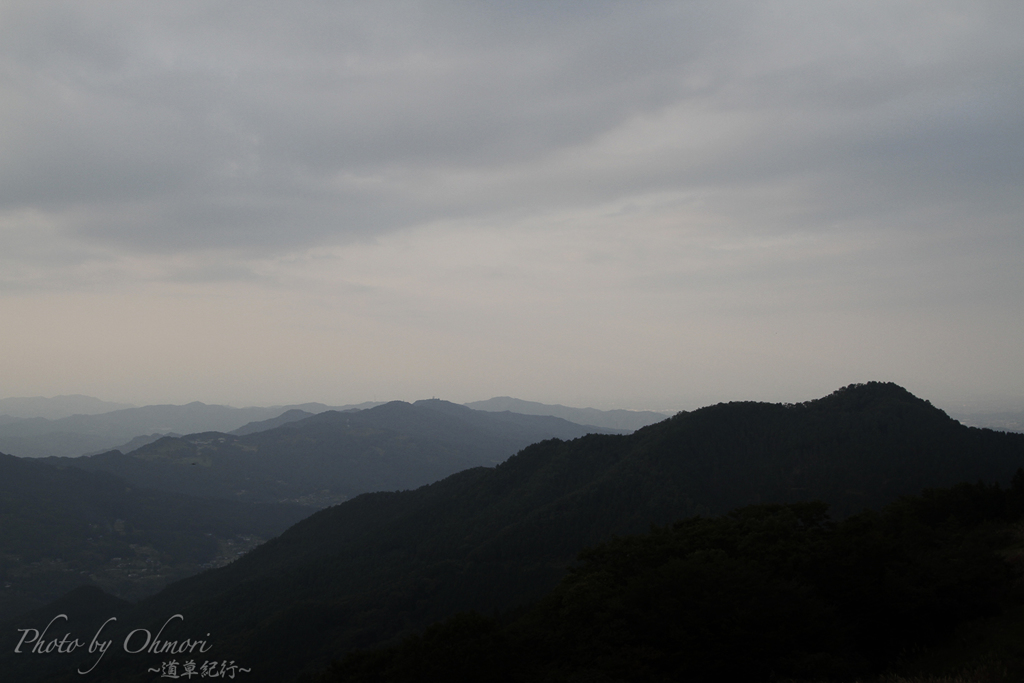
628,420
70,426
324,459
386,564
56,407
292,415
78,434
96,525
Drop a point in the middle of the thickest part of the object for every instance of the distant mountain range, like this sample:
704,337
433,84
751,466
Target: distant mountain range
324,459
78,434
629,420
38,427
57,407
384,565
131,523
70,426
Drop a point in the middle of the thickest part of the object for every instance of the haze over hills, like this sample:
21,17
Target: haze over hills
629,420
289,415
70,426
386,564
57,407
89,432
122,521
1011,421
79,434
324,459
292,415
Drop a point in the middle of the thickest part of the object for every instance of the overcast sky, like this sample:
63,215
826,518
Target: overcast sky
608,204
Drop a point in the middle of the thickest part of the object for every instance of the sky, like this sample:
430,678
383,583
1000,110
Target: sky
647,205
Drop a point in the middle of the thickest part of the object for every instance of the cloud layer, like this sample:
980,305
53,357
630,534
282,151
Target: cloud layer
651,204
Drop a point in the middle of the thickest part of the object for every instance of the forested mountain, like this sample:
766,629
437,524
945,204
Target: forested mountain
384,565
627,420
61,528
327,458
764,593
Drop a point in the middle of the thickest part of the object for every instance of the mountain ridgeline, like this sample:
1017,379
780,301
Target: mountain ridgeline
86,432
627,420
131,523
57,407
324,459
384,565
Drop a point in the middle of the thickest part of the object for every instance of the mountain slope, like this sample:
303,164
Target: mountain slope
385,564
764,593
263,425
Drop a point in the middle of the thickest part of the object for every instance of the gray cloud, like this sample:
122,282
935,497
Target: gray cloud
211,126
741,157
257,116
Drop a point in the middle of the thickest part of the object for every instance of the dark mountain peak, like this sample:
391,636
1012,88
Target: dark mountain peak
874,390
878,399
856,409
875,397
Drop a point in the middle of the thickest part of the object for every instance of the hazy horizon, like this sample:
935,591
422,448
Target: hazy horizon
966,406
649,206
